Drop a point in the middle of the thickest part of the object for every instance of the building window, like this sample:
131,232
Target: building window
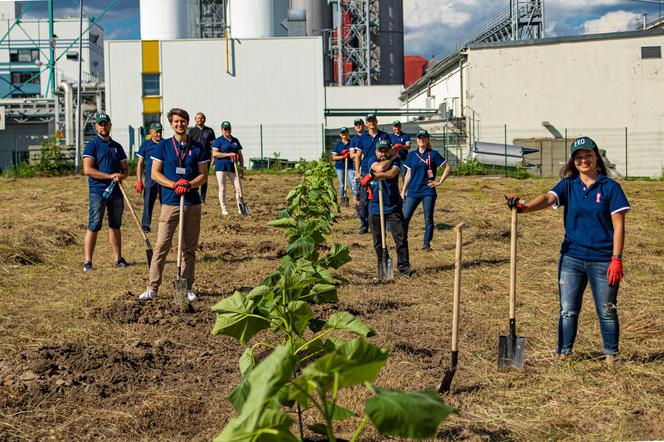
150,85
25,77
651,52
72,55
148,119
23,55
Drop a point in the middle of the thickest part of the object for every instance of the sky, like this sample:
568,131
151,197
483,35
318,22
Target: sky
430,26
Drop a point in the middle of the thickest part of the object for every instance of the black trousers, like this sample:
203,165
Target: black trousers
399,234
363,208
150,194
204,186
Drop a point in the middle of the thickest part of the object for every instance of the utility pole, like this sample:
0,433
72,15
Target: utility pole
51,50
79,132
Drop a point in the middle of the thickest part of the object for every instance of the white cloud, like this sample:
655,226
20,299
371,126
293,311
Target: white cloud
614,21
581,5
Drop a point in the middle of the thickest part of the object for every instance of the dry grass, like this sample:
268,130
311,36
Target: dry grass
81,359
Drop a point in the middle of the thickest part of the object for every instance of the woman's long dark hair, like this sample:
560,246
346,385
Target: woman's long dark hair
569,168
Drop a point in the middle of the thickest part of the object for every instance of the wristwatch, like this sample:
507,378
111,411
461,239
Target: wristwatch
616,255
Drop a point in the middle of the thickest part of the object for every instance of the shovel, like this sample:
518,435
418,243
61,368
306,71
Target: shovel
148,246
511,347
445,385
385,267
241,205
344,200
180,285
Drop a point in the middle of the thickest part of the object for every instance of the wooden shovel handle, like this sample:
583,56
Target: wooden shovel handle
458,256
133,214
237,177
382,215
513,238
180,236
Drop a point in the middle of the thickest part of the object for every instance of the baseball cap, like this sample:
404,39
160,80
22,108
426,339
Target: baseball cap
156,126
582,143
396,123
102,117
383,144
226,125
343,129
370,116
358,121
422,133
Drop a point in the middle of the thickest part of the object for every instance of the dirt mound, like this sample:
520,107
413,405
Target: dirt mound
127,309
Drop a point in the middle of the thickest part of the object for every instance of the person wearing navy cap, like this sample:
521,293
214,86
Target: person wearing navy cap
104,162
225,150
400,143
419,185
594,220
179,165
367,144
150,189
356,156
384,171
341,156
204,135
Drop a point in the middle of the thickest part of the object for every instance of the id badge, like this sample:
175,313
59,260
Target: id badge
180,170
430,173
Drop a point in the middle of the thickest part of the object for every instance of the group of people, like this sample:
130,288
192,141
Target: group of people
167,169
379,159
594,215
594,205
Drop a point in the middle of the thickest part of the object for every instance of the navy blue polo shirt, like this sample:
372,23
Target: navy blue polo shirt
587,216
339,164
146,152
391,195
107,156
400,139
194,154
368,145
419,165
355,141
224,145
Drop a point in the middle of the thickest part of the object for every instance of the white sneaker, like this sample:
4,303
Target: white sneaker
191,295
148,294
224,211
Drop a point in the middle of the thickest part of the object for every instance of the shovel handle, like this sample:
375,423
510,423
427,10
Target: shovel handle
237,177
133,214
382,215
345,174
458,256
180,235
513,238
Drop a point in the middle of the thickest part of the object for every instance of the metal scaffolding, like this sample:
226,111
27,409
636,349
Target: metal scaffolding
211,18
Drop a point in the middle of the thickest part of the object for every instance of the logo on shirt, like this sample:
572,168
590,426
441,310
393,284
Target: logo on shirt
598,198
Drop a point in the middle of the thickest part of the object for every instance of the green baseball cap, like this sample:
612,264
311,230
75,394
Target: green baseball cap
344,129
102,118
396,123
383,144
582,143
156,126
226,125
358,121
422,133
370,116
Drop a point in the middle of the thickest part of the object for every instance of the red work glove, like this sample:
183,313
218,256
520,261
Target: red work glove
233,156
365,181
139,186
181,186
396,147
615,273
513,202
370,193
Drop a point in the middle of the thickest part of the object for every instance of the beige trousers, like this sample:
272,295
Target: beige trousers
168,232
221,180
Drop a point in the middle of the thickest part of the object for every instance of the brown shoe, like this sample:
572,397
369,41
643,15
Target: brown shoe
564,358
610,360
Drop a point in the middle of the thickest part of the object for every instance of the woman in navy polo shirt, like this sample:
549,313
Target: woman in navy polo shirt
419,184
591,252
225,150
342,162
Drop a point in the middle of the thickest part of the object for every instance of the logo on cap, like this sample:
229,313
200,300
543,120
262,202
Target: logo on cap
383,144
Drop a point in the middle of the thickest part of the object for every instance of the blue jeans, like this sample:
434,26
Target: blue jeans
98,205
350,181
573,276
428,205
150,194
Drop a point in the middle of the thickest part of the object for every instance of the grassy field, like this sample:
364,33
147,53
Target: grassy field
81,358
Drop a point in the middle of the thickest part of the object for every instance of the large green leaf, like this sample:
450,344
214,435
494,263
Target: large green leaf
339,413
301,391
352,363
337,256
324,293
238,396
299,313
415,415
260,292
235,317
247,360
272,426
303,246
282,222
347,322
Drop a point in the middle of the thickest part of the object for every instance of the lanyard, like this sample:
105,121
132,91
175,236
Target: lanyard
177,152
428,161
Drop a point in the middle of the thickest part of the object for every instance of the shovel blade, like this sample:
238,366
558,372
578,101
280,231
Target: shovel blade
510,351
345,202
180,291
244,209
446,384
385,270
